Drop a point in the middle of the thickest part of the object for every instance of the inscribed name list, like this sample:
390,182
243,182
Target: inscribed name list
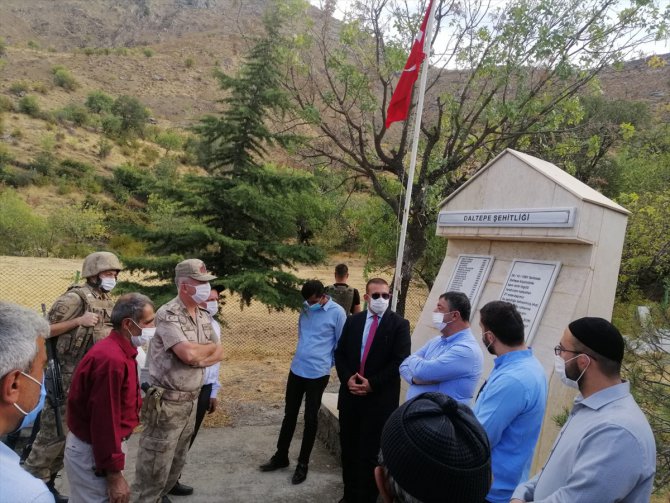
470,275
528,286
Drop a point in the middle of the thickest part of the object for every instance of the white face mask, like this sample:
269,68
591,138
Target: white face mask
559,368
212,307
378,306
144,338
438,321
201,293
107,284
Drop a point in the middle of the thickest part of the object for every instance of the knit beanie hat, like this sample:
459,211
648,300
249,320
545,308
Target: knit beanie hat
599,335
437,451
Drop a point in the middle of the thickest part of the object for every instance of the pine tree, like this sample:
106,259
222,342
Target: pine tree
242,218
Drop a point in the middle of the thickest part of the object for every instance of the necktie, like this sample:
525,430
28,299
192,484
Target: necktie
368,343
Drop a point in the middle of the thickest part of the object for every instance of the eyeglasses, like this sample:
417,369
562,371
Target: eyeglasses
376,295
560,349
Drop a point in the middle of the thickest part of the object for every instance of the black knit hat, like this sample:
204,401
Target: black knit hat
436,450
599,335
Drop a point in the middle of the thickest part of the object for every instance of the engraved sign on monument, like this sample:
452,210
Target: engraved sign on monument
528,286
470,275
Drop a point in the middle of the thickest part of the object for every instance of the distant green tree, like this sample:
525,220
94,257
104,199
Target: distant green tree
243,218
21,230
169,140
99,102
133,115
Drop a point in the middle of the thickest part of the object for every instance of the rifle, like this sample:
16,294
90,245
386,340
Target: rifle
53,380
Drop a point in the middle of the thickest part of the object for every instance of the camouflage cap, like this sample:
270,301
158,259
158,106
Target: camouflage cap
193,268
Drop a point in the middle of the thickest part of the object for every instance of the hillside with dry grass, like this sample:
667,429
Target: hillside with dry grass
162,52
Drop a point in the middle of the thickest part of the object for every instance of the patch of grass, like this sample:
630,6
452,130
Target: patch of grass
189,62
73,113
19,88
33,44
148,52
6,104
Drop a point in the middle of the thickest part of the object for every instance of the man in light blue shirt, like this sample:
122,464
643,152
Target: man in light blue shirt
511,404
319,328
450,363
605,451
22,360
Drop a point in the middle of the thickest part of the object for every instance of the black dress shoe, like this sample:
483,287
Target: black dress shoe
275,463
58,497
180,489
165,499
300,474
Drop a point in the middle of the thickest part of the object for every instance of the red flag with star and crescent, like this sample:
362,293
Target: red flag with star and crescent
402,96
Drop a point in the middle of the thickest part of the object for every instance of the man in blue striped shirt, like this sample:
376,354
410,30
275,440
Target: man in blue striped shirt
511,404
450,363
319,328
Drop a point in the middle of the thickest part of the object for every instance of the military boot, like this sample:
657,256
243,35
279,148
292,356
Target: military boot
51,485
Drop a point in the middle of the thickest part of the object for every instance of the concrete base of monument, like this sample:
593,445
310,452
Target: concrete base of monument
223,465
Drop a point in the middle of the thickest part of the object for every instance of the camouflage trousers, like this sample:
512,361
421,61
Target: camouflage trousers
46,456
162,450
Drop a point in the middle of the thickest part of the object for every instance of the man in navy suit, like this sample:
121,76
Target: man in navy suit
372,346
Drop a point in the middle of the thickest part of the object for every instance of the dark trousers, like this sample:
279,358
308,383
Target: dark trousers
296,387
360,434
201,408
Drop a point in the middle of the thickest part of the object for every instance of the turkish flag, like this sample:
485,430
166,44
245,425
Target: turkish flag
402,96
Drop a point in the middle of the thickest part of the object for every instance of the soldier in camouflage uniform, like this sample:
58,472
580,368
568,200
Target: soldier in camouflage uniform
178,353
79,317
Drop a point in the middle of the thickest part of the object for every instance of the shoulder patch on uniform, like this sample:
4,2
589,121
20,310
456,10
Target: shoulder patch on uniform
172,317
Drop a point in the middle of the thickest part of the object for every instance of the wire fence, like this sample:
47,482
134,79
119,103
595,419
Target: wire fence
249,333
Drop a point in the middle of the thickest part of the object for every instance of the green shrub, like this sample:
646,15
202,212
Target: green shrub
104,148
32,44
111,125
29,105
188,62
40,87
44,164
16,133
169,140
63,78
121,51
148,52
76,114
3,46
99,102
148,156
71,168
19,87
16,177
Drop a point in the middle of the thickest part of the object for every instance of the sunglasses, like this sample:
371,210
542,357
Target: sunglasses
376,295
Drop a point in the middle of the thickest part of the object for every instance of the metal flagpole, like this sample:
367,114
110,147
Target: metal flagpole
415,147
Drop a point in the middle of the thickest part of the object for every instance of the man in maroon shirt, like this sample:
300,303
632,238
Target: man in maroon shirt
104,403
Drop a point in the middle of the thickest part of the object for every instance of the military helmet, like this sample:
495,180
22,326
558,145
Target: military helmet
97,262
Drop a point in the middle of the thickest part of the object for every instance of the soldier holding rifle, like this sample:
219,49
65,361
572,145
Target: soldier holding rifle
78,318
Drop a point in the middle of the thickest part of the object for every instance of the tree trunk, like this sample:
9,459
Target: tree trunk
415,246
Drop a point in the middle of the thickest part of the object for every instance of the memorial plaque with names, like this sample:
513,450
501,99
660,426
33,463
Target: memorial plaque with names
470,275
528,286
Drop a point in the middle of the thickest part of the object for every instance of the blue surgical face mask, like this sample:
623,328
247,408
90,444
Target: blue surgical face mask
30,417
314,307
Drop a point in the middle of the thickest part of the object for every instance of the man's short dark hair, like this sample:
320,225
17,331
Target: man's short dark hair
458,301
130,305
375,281
503,319
341,270
312,287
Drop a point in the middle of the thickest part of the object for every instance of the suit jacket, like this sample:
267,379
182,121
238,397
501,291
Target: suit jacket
389,348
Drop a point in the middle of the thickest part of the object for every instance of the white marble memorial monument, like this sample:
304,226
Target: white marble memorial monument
525,231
